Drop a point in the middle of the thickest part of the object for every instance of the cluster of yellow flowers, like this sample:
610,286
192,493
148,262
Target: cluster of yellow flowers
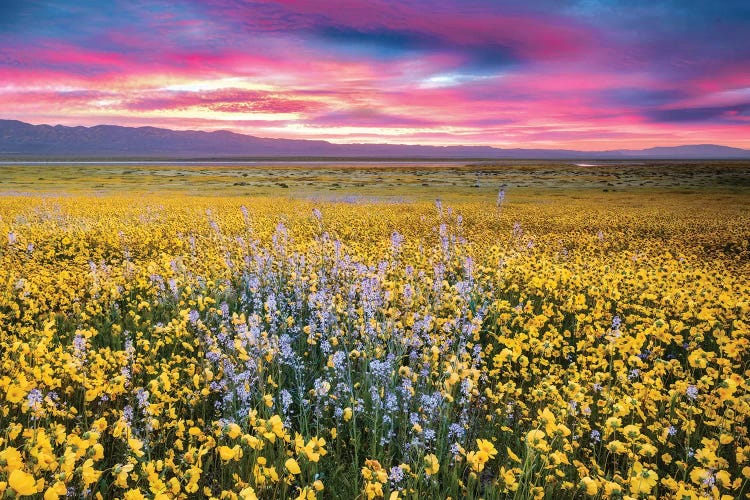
242,349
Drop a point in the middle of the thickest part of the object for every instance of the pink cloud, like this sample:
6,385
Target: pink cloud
227,100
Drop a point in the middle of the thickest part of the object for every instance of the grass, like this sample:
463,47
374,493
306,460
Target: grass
410,181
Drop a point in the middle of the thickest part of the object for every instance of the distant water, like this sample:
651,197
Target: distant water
265,163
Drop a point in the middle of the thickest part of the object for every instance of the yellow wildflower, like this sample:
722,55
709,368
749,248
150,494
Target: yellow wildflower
22,483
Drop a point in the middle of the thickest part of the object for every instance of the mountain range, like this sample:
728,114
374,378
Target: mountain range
19,140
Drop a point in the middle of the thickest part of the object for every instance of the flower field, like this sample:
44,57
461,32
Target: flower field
227,347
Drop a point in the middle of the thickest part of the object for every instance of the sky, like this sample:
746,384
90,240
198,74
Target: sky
579,74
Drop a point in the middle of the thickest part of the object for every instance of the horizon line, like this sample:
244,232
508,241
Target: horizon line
332,142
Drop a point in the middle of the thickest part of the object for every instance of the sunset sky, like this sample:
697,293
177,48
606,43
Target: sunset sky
582,74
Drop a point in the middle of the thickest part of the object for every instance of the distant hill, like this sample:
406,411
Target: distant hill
696,151
23,140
